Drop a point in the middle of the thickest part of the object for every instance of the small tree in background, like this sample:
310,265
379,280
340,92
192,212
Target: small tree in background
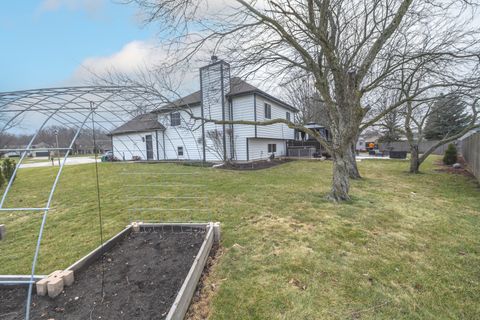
391,128
8,167
450,156
449,116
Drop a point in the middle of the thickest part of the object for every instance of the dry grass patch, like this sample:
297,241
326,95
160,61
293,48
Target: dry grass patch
405,247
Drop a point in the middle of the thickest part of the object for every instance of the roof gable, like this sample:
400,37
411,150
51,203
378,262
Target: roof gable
237,87
141,123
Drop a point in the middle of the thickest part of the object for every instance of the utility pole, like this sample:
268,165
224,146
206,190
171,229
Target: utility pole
58,150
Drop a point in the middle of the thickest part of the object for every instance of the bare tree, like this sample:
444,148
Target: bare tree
391,125
391,129
351,48
214,143
416,116
300,92
417,88
7,123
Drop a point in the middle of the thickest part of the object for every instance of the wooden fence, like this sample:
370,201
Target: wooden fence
471,153
404,146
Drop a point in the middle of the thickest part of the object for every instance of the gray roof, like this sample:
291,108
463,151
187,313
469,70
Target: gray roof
141,123
190,100
237,87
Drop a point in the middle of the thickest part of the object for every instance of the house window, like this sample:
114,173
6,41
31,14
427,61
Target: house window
175,119
288,116
268,111
272,147
180,151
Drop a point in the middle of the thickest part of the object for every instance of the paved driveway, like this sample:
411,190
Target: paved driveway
70,162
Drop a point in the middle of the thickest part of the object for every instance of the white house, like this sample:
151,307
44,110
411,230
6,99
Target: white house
170,132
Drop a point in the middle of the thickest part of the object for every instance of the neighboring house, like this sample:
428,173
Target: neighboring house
170,132
43,150
366,138
17,150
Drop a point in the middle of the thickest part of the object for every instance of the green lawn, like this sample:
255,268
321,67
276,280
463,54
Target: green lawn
33,160
406,247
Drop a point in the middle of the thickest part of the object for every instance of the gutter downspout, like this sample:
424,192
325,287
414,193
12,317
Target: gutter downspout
164,151
232,134
223,114
255,112
156,143
203,117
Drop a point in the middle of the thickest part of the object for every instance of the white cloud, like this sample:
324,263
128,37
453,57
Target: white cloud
138,56
92,7
133,56
132,60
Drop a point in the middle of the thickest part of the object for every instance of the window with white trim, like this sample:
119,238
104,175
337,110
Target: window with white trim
175,119
180,151
288,116
272,147
268,111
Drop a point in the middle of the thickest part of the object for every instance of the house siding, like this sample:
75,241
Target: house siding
243,107
130,145
187,135
249,142
258,148
275,131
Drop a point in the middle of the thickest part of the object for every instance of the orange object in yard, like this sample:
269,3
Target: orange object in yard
371,145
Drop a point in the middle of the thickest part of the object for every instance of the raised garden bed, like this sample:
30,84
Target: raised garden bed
149,274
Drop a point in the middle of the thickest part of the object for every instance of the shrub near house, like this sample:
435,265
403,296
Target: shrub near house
450,156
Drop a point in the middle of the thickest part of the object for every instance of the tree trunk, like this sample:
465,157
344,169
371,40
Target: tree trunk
414,159
340,179
351,163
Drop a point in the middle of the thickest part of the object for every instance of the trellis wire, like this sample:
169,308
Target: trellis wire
108,107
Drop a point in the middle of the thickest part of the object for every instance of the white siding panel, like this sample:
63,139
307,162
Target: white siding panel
127,146
258,148
275,131
187,135
243,107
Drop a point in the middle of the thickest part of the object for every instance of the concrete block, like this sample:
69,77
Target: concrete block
42,287
54,274
135,227
54,286
3,232
67,277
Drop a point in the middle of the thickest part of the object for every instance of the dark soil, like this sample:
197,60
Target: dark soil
449,169
143,275
255,165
